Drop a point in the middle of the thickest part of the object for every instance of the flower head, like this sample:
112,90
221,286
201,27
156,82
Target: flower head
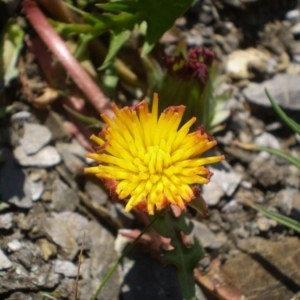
149,161
195,64
190,79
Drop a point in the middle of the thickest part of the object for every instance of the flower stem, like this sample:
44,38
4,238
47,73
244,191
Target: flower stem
58,47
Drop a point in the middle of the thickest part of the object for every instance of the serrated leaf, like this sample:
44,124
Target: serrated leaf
118,39
183,257
166,225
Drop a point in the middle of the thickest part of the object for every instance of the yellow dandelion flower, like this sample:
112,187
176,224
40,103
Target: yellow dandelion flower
149,161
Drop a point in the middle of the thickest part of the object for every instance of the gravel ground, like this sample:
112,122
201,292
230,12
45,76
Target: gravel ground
53,218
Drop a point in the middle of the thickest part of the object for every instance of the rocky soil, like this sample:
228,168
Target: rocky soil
54,219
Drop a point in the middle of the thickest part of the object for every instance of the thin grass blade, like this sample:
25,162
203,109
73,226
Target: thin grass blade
290,122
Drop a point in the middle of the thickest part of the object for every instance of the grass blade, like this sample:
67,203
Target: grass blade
286,221
290,158
283,116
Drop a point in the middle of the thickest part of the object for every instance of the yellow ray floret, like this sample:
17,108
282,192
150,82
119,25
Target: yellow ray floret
151,160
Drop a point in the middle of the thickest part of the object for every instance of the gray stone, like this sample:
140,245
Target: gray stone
284,88
59,231
78,224
240,63
293,15
68,230
21,115
232,206
263,171
55,123
32,221
28,256
73,155
21,203
63,197
207,237
296,29
46,157
287,199
37,189
94,188
101,245
18,280
5,263
45,277
241,232
264,224
35,137
261,266
267,139
212,193
6,221
223,182
20,296
65,267
14,245
47,249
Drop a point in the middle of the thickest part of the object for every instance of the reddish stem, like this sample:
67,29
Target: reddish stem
58,47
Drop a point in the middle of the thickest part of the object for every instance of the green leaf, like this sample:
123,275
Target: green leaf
110,81
119,6
11,46
290,122
118,39
160,16
286,221
3,206
166,225
183,257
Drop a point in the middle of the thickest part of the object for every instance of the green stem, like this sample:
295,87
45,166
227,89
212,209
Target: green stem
187,285
82,118
84,40
185,276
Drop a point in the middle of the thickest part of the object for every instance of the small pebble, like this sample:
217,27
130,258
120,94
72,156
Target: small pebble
35,137
65,267
5,263
6,221
46,157
14,245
